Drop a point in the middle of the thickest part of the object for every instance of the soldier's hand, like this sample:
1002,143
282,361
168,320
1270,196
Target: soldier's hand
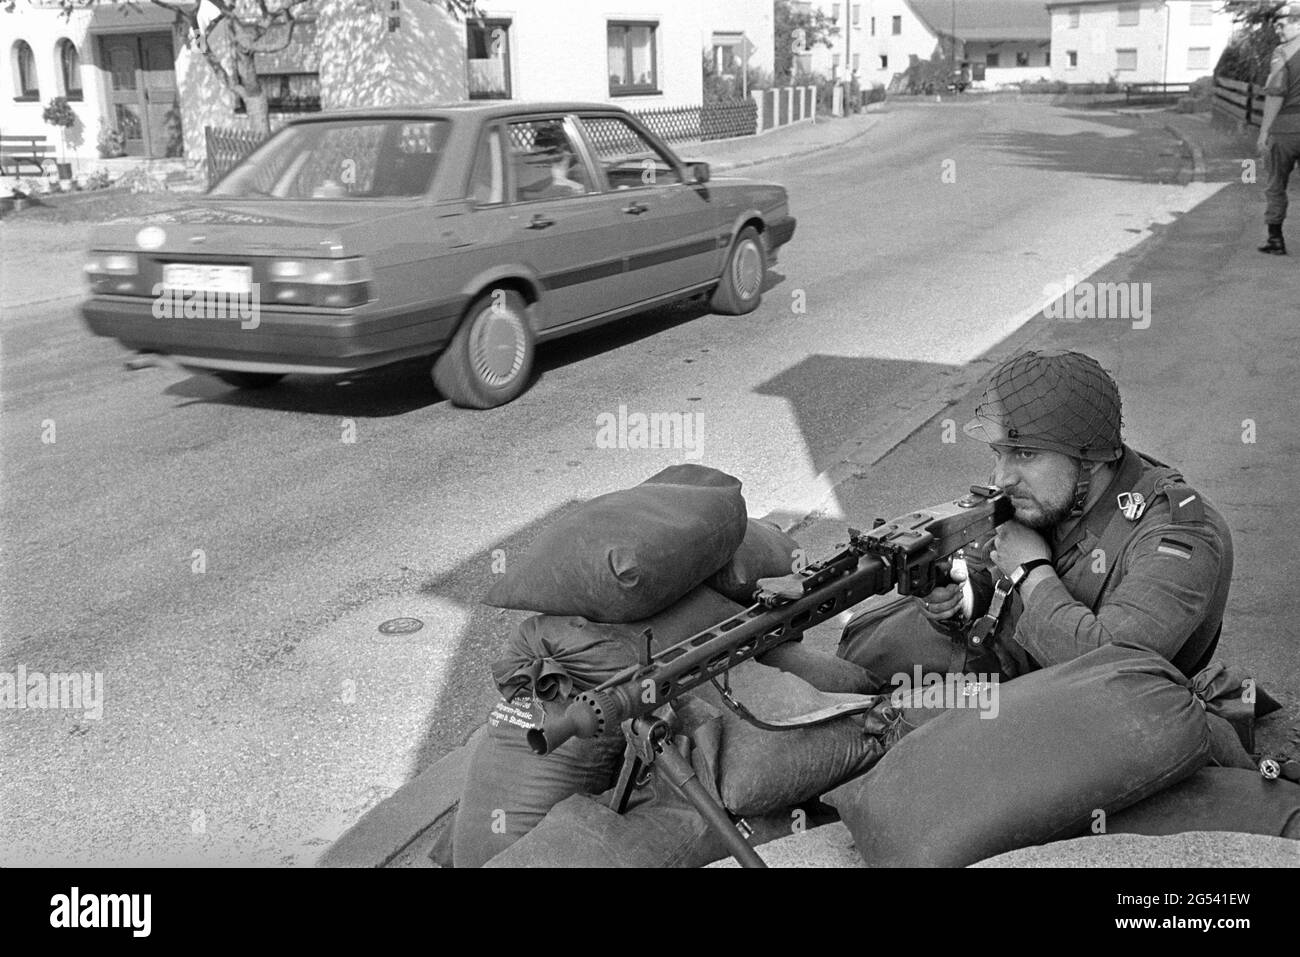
942,603
1017,544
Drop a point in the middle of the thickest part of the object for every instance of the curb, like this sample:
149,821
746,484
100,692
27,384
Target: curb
794,154
1197,151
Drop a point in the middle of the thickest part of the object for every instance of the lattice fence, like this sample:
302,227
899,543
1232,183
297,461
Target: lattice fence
712,121
225,148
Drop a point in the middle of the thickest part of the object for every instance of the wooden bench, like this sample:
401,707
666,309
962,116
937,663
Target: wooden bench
17,151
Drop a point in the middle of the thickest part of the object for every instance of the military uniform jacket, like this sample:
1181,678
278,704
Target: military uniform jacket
1164,588
1284,81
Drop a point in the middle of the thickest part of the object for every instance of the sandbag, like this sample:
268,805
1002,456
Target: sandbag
1216,799
629,554
759,771
509,789
765,552
1100,732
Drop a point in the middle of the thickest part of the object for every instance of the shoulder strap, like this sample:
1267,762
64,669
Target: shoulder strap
1185,506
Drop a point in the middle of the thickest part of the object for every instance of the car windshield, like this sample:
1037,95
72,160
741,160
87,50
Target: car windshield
341,159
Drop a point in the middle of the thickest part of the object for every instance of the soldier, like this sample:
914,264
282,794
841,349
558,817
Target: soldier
1279,129
1106,545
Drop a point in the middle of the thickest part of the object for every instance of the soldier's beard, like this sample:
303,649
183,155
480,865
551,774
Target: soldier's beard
1045,510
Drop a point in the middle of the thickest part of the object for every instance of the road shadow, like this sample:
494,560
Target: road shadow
1139,149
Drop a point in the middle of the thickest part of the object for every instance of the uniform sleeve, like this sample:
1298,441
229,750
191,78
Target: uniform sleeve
1277,75
1170,576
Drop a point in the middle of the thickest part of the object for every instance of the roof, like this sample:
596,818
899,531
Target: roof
132,18
986,19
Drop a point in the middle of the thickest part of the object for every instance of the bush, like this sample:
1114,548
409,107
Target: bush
59,113
1247,55
111,141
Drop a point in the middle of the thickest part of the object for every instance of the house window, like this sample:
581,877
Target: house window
1198,58
487,57
288,93
991,60
1022,58
857,58
1202,14
884,62
70,69
1126,59
835,61
857,14
873,26
1128,14
632,58
1047,58
1073,57
896,25
835,11
25,70
1074,18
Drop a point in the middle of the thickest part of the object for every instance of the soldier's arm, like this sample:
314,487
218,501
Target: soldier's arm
1170,575
1274,90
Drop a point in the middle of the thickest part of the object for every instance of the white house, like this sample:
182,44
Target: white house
1001,41
1144,41
129,65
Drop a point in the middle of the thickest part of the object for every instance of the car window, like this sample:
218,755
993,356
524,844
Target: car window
487,179
545,163
628,158
344,159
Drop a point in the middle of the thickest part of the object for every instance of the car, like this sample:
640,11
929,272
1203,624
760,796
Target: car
466,234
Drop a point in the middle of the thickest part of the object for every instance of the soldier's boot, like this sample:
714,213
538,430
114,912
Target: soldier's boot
1276,245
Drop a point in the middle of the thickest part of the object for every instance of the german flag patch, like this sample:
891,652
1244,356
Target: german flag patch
1172,546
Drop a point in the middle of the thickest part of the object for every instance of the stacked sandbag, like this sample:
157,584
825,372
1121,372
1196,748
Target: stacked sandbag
622,564
551,658
1098,733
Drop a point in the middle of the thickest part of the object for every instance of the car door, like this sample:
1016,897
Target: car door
563,227
675,235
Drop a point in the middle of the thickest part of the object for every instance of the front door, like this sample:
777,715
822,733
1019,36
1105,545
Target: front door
142,93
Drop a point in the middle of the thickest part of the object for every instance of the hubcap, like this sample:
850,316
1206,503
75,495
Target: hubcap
497,345
747,270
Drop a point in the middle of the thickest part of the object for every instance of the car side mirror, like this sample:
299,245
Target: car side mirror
699,172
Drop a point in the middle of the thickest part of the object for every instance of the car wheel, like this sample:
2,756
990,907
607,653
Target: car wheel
740,289
490,357
250,380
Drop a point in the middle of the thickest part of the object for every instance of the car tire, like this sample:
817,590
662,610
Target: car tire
250,380
740,288
490,358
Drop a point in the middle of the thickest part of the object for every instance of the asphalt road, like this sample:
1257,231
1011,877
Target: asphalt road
224,558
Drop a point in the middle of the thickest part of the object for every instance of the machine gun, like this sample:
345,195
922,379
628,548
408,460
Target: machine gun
908,553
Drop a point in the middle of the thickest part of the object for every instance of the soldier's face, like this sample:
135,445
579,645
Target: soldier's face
1040,483
1288,26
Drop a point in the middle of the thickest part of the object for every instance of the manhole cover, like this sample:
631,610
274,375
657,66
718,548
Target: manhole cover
401,626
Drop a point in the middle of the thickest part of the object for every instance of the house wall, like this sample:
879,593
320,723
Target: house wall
42,28
914,38
977,51
754,18
1162,38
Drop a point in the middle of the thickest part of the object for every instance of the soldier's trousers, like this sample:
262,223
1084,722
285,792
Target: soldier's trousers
1282,154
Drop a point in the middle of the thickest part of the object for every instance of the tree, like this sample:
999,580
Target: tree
794,31
1247,55
249,27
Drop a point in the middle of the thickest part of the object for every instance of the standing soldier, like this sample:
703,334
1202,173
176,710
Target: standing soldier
1279,130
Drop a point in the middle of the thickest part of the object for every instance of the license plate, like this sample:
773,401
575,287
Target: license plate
234,280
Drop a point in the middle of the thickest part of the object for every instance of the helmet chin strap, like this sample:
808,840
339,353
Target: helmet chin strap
1082,485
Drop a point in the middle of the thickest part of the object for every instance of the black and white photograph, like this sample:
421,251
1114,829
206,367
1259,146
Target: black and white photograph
651,434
